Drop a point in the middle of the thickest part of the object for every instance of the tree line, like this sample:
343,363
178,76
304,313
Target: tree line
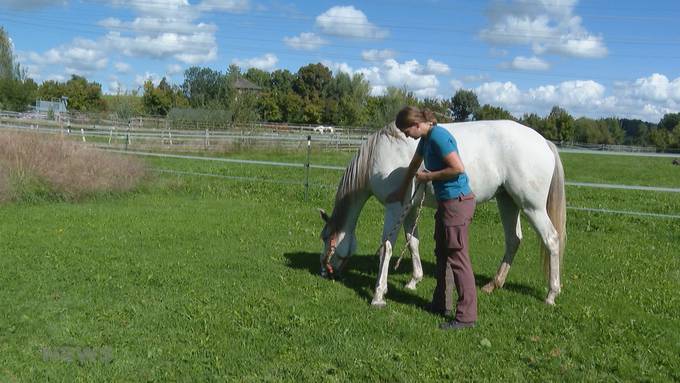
312,95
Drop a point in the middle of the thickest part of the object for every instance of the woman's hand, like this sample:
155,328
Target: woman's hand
424,176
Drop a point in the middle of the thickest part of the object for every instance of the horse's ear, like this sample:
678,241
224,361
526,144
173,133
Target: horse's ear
324,216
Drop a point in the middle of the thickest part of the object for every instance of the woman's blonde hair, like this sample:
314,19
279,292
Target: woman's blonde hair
411,115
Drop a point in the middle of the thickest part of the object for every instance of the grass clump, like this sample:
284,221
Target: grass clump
35,167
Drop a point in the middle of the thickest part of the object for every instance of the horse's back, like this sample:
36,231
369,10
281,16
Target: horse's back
503,153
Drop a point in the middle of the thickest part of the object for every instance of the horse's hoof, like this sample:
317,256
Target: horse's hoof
550,299
411,285
378,304
489,287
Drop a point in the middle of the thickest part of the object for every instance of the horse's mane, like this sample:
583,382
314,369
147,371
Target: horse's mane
355,179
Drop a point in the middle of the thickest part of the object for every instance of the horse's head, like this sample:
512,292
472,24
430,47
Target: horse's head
338,246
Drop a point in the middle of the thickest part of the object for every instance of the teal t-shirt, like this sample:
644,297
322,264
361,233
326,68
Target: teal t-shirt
433,148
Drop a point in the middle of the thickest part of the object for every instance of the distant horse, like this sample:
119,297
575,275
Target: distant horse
676,162
503,159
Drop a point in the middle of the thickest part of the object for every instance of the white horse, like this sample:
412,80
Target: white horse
503,159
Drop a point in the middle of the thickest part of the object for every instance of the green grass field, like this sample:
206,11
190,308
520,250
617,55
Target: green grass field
207,279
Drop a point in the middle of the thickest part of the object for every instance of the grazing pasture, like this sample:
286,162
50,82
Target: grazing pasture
204,278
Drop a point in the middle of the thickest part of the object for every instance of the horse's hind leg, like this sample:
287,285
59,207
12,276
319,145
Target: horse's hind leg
546,231
412,242
509,212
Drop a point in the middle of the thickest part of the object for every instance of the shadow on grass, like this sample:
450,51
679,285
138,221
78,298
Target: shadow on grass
518,288
362,270
361,275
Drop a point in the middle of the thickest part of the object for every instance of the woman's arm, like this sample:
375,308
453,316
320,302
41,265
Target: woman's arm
454,166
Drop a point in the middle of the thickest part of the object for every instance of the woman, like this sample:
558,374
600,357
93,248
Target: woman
455,208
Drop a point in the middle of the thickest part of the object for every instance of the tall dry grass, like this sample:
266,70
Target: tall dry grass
35,166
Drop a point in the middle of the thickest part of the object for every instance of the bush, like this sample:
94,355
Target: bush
39,167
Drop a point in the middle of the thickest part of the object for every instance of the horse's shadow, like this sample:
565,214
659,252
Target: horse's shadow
361,275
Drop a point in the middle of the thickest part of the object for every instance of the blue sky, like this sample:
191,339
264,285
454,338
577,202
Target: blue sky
595,58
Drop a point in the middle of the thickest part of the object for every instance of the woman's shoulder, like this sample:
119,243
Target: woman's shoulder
441,132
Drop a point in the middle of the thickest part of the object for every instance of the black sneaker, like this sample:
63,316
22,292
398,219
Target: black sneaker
455,325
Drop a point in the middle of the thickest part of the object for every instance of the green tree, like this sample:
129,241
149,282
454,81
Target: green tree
204,87
463,104
84,95
258,77
661,138
675,136
439,107
345,99
560,125
616,132
51,90
7,67
125,105
535,122
489,112
383,109
669,121
157,101
281,81
292,107
311,81
268,108
310,84
17,91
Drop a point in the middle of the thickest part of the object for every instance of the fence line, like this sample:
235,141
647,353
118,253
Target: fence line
625,212
331,167
249,135
266,180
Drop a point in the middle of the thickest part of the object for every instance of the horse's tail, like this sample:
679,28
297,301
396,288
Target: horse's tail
557,209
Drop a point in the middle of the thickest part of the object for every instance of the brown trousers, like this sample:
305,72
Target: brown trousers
452,221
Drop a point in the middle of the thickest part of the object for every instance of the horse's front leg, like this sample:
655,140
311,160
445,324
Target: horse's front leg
390,230
381,285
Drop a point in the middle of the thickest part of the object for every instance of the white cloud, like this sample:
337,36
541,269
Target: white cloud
456,84
569,94
56,77
232,6
647,98
348,21
476,78
527,63
373,55
266,62
499,93
81,57
161,9
437,67
548,26
195,48
116,87
122,67
173,69
654,88
140,79
409,74
305,41
336,67
390,73
166,29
